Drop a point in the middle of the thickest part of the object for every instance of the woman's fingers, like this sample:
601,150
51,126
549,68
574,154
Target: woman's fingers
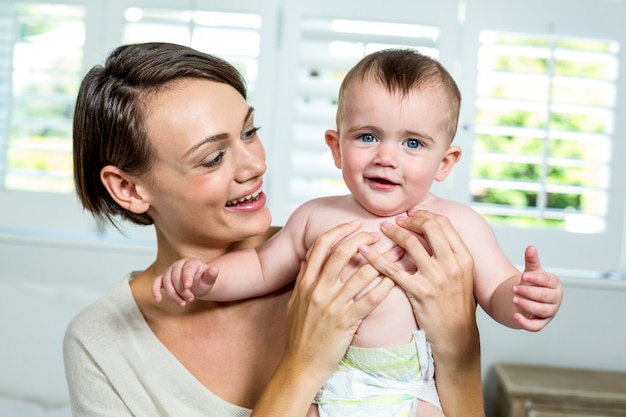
322,246
442,286
330,254
323,307
449,253
385,264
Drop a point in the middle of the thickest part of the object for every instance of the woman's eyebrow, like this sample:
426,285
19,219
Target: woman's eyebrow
218,137
209,139
250,111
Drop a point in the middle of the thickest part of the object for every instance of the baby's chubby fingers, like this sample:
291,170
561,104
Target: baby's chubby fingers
531,308
541,287
532,324
170,288
157,284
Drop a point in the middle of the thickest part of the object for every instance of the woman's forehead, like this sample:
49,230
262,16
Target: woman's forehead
193,110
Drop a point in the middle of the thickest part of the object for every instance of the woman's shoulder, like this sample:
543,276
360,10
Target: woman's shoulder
96,317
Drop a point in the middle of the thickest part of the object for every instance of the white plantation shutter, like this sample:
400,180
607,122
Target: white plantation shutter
40,68
542,128
45,46
554,98
234,36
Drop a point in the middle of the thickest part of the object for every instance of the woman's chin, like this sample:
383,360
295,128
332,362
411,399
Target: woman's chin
256,223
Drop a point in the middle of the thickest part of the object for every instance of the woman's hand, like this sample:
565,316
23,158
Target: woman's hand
322,319
441,294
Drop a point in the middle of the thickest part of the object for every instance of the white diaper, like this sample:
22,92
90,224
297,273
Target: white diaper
381,381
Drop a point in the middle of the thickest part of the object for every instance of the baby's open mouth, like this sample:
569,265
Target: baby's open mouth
381,181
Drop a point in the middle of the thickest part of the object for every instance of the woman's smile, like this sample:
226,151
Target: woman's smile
250,202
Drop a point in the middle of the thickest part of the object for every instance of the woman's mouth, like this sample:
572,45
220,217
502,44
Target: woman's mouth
247,199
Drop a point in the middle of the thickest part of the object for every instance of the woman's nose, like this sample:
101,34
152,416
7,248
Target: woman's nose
250,162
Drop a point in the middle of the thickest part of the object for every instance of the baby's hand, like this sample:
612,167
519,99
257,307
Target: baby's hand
538,295
185,280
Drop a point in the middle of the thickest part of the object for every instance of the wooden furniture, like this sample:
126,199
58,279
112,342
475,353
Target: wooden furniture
539,391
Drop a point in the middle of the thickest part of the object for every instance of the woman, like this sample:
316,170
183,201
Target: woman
163,136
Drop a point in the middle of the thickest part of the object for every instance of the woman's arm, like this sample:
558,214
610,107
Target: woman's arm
441,294
322,320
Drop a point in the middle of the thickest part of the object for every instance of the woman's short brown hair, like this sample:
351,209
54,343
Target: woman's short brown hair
109,118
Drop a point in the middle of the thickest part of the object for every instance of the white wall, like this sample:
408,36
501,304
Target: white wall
44,282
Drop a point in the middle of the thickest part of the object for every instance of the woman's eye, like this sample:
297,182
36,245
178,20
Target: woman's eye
215,161
413,143
248,134
367,138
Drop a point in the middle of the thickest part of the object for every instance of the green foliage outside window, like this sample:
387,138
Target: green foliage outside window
543,102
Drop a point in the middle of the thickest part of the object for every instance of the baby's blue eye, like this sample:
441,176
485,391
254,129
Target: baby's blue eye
368,138
413,143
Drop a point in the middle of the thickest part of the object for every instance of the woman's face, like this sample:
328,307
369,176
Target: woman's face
206,182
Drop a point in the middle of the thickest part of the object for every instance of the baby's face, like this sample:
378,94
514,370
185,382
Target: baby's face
391,147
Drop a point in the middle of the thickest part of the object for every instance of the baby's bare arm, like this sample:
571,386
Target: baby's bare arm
255,272
526,300
494,274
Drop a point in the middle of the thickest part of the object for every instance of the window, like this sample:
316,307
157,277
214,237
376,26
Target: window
543,130
42,52
540,128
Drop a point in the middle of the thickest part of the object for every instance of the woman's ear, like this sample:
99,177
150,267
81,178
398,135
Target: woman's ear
124,189
449,160
332,140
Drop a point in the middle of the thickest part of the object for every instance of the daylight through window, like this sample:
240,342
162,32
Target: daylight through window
543,130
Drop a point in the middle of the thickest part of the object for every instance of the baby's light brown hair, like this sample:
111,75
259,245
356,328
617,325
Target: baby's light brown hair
404,71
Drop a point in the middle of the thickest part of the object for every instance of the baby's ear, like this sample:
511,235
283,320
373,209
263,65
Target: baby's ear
449,160
124,189
332,140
